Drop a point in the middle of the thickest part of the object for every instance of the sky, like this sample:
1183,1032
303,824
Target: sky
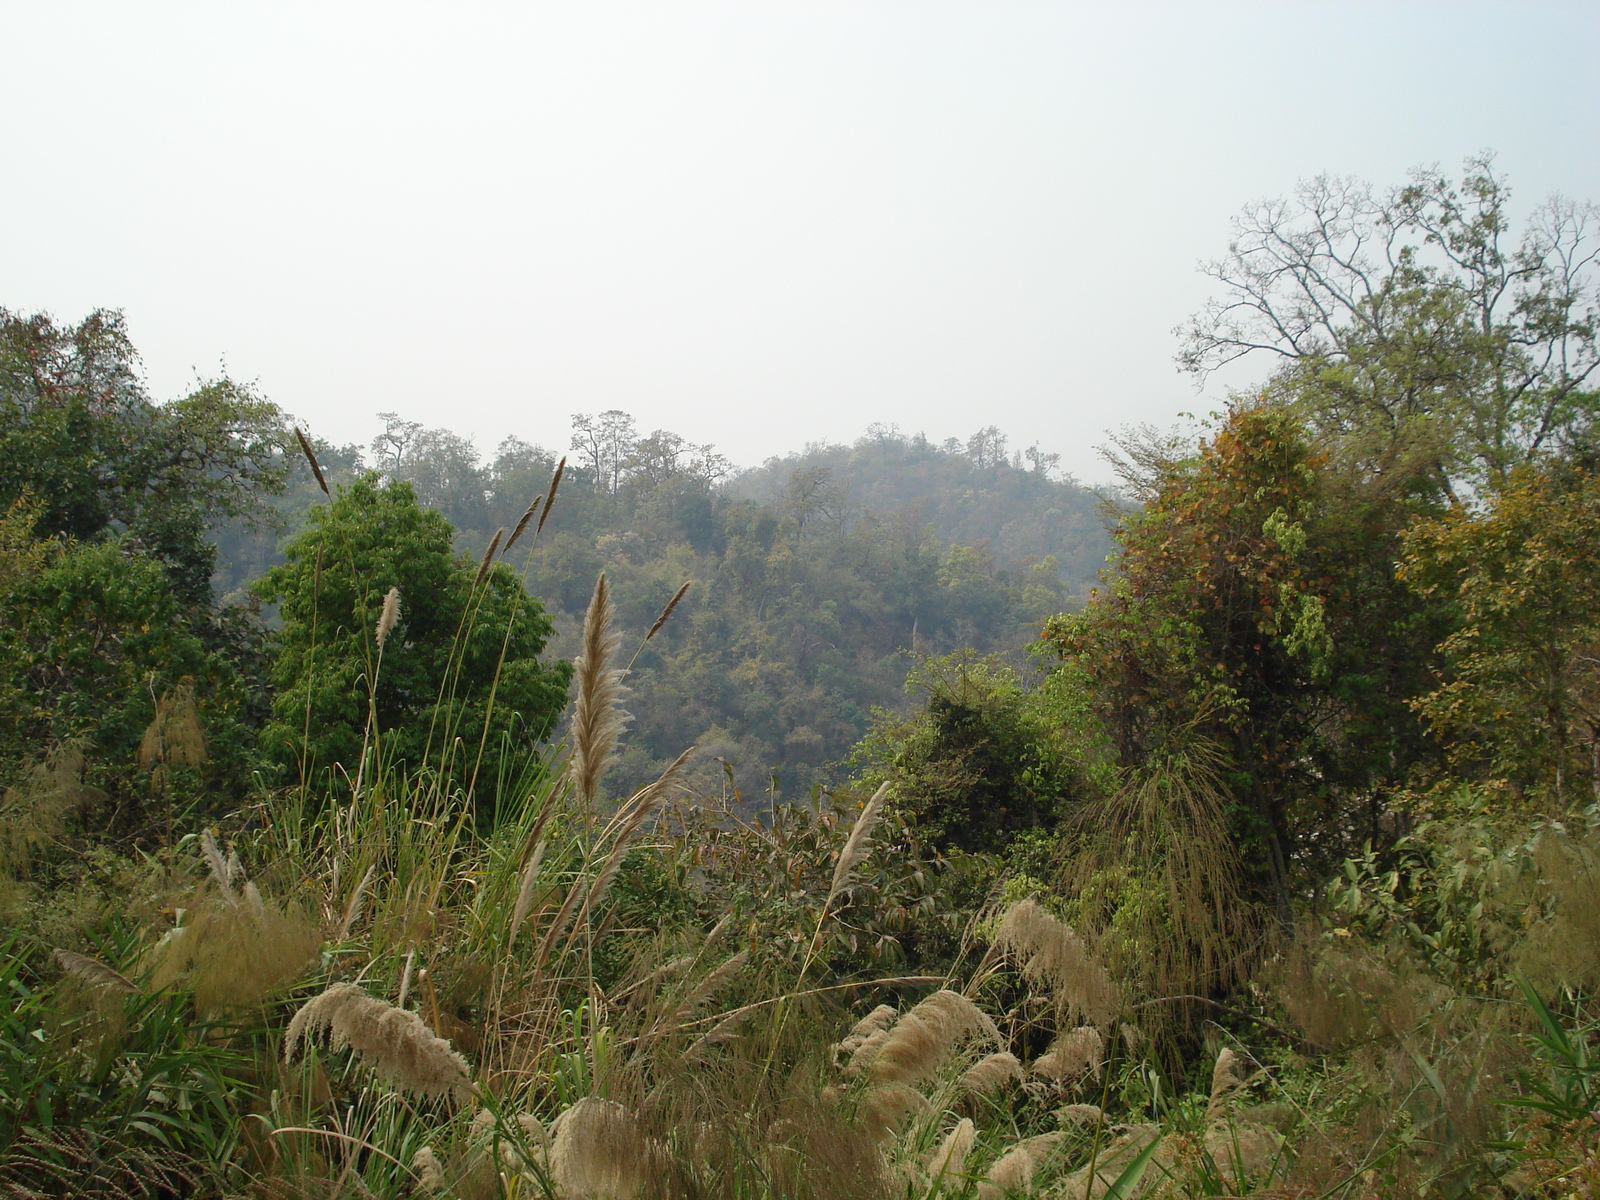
755,224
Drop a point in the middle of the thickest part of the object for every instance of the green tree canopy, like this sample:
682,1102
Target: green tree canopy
442,682
80,436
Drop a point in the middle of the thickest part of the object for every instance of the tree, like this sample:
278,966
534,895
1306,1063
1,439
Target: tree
462,662
1254,607
1413,332
987,448
1520,704
92,639
983,760
442,468
605,445
79,435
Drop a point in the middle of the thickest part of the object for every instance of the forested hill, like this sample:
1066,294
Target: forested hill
971,492
817,579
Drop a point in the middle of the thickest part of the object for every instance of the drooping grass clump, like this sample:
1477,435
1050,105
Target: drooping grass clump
392,1041
1053,956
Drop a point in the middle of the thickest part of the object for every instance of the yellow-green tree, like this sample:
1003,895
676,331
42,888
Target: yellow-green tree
1520,706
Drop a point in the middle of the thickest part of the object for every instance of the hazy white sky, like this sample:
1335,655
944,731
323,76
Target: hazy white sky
756,224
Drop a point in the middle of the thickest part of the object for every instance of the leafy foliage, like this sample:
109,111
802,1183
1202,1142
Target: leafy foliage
982,760
461,668
1521,704
1254,603
78,434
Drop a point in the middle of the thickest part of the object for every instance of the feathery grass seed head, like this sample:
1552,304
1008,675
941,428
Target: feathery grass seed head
949,1157
991,1073
550,496
1226,1078
923,1040
234,956
1014,1170
311,458
393,1042
488,557
522,524
94,972
596,1150
1073,1054
666,612
875,1022
859,842
1052,955
885,1106
597,716
389,615
429,1172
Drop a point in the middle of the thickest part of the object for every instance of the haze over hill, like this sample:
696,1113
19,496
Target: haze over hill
817,579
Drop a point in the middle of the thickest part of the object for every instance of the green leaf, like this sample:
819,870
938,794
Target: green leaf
1133,1172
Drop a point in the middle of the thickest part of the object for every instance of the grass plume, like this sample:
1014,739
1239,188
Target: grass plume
388,617
666,613
550,496
597,716
949,1157
859,843
596,1149
488,558
1074,1054
924,1039
1052,955
311,458
522,524
991,1073
1014,1170
94,972
393,1042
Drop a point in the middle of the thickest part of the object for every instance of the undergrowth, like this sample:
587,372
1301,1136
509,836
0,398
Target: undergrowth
365,986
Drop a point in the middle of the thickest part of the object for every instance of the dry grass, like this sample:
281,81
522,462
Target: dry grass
597,716
1227,1077
1158,879
34,811
1053,956
858,844
233,949
1563,949
666,613
1016,1167
174,735
991,1073
95,973
311,458
949,1158
393,1042
488,558
597,1150
1073,1055
886,1106
922,1041
388,618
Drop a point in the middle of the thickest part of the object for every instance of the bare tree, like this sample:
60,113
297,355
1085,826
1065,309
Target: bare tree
389,447
987,447
606,443
1412,325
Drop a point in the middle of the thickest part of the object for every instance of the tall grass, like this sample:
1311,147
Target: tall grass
369,992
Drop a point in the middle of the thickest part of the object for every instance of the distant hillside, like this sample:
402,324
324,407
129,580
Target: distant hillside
971,492
817,579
